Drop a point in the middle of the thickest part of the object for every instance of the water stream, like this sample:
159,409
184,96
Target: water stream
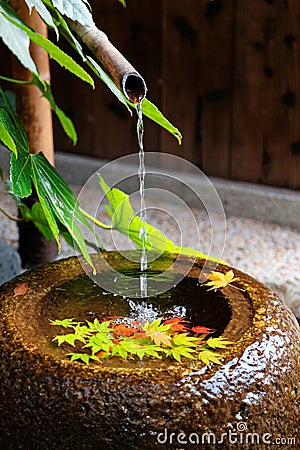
143,213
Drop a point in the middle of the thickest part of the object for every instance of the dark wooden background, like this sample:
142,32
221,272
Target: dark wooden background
225,72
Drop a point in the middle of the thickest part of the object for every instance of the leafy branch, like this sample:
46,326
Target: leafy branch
58,15
125,221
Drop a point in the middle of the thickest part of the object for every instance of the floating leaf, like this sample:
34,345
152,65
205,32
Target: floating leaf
179,352
177,324
21,289
208,356
84,357
70,338
184,339
66,323
154,339
219,280
218,342
202,330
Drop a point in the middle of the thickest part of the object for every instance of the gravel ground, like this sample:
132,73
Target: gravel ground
269,252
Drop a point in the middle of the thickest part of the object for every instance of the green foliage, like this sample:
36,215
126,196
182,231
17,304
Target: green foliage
153,113
43,12
57,207
53,215
154,339
75,10
55,13
57,203
124,220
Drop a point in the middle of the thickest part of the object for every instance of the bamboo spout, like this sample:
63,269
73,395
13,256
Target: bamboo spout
129,81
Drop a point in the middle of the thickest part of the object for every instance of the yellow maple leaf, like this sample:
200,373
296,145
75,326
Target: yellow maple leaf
159,338
219,280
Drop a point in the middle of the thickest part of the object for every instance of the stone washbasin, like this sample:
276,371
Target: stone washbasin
48,402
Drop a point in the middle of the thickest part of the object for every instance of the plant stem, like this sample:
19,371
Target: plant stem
96,222
10,216
13,80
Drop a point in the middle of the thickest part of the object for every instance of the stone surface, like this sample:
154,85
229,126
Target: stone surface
48,402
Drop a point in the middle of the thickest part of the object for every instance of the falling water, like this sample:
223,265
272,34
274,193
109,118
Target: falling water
143,216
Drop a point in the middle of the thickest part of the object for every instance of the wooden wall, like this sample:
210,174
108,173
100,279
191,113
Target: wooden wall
225,72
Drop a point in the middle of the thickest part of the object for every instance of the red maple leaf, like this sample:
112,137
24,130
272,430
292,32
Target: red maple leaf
202,330
177,324
123,329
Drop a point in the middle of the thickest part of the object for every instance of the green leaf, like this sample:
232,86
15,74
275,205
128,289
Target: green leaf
123,3
70,339
208,356
64,28
16,40
178,352
124,220
106,80
183,339
101,327
43,12
6,138
75,10
218,342
55,52
84,357
20,173
153,113
66,323
60,57
58,201
37,216
12,122
156,325
119,350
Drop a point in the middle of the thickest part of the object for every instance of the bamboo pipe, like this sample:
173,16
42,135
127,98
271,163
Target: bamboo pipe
128,80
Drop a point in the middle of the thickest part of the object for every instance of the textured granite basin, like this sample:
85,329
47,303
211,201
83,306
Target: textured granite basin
48,402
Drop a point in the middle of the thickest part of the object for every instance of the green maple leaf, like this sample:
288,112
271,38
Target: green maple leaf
208,356
83,357
124,220
183,339
102,327
156,325
119,350
66,323
178,352
99,342
70,338
218,342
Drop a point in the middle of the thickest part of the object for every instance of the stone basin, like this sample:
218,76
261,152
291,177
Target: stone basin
48,402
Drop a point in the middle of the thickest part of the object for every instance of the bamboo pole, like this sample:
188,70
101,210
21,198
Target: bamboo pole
113,62
36,116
